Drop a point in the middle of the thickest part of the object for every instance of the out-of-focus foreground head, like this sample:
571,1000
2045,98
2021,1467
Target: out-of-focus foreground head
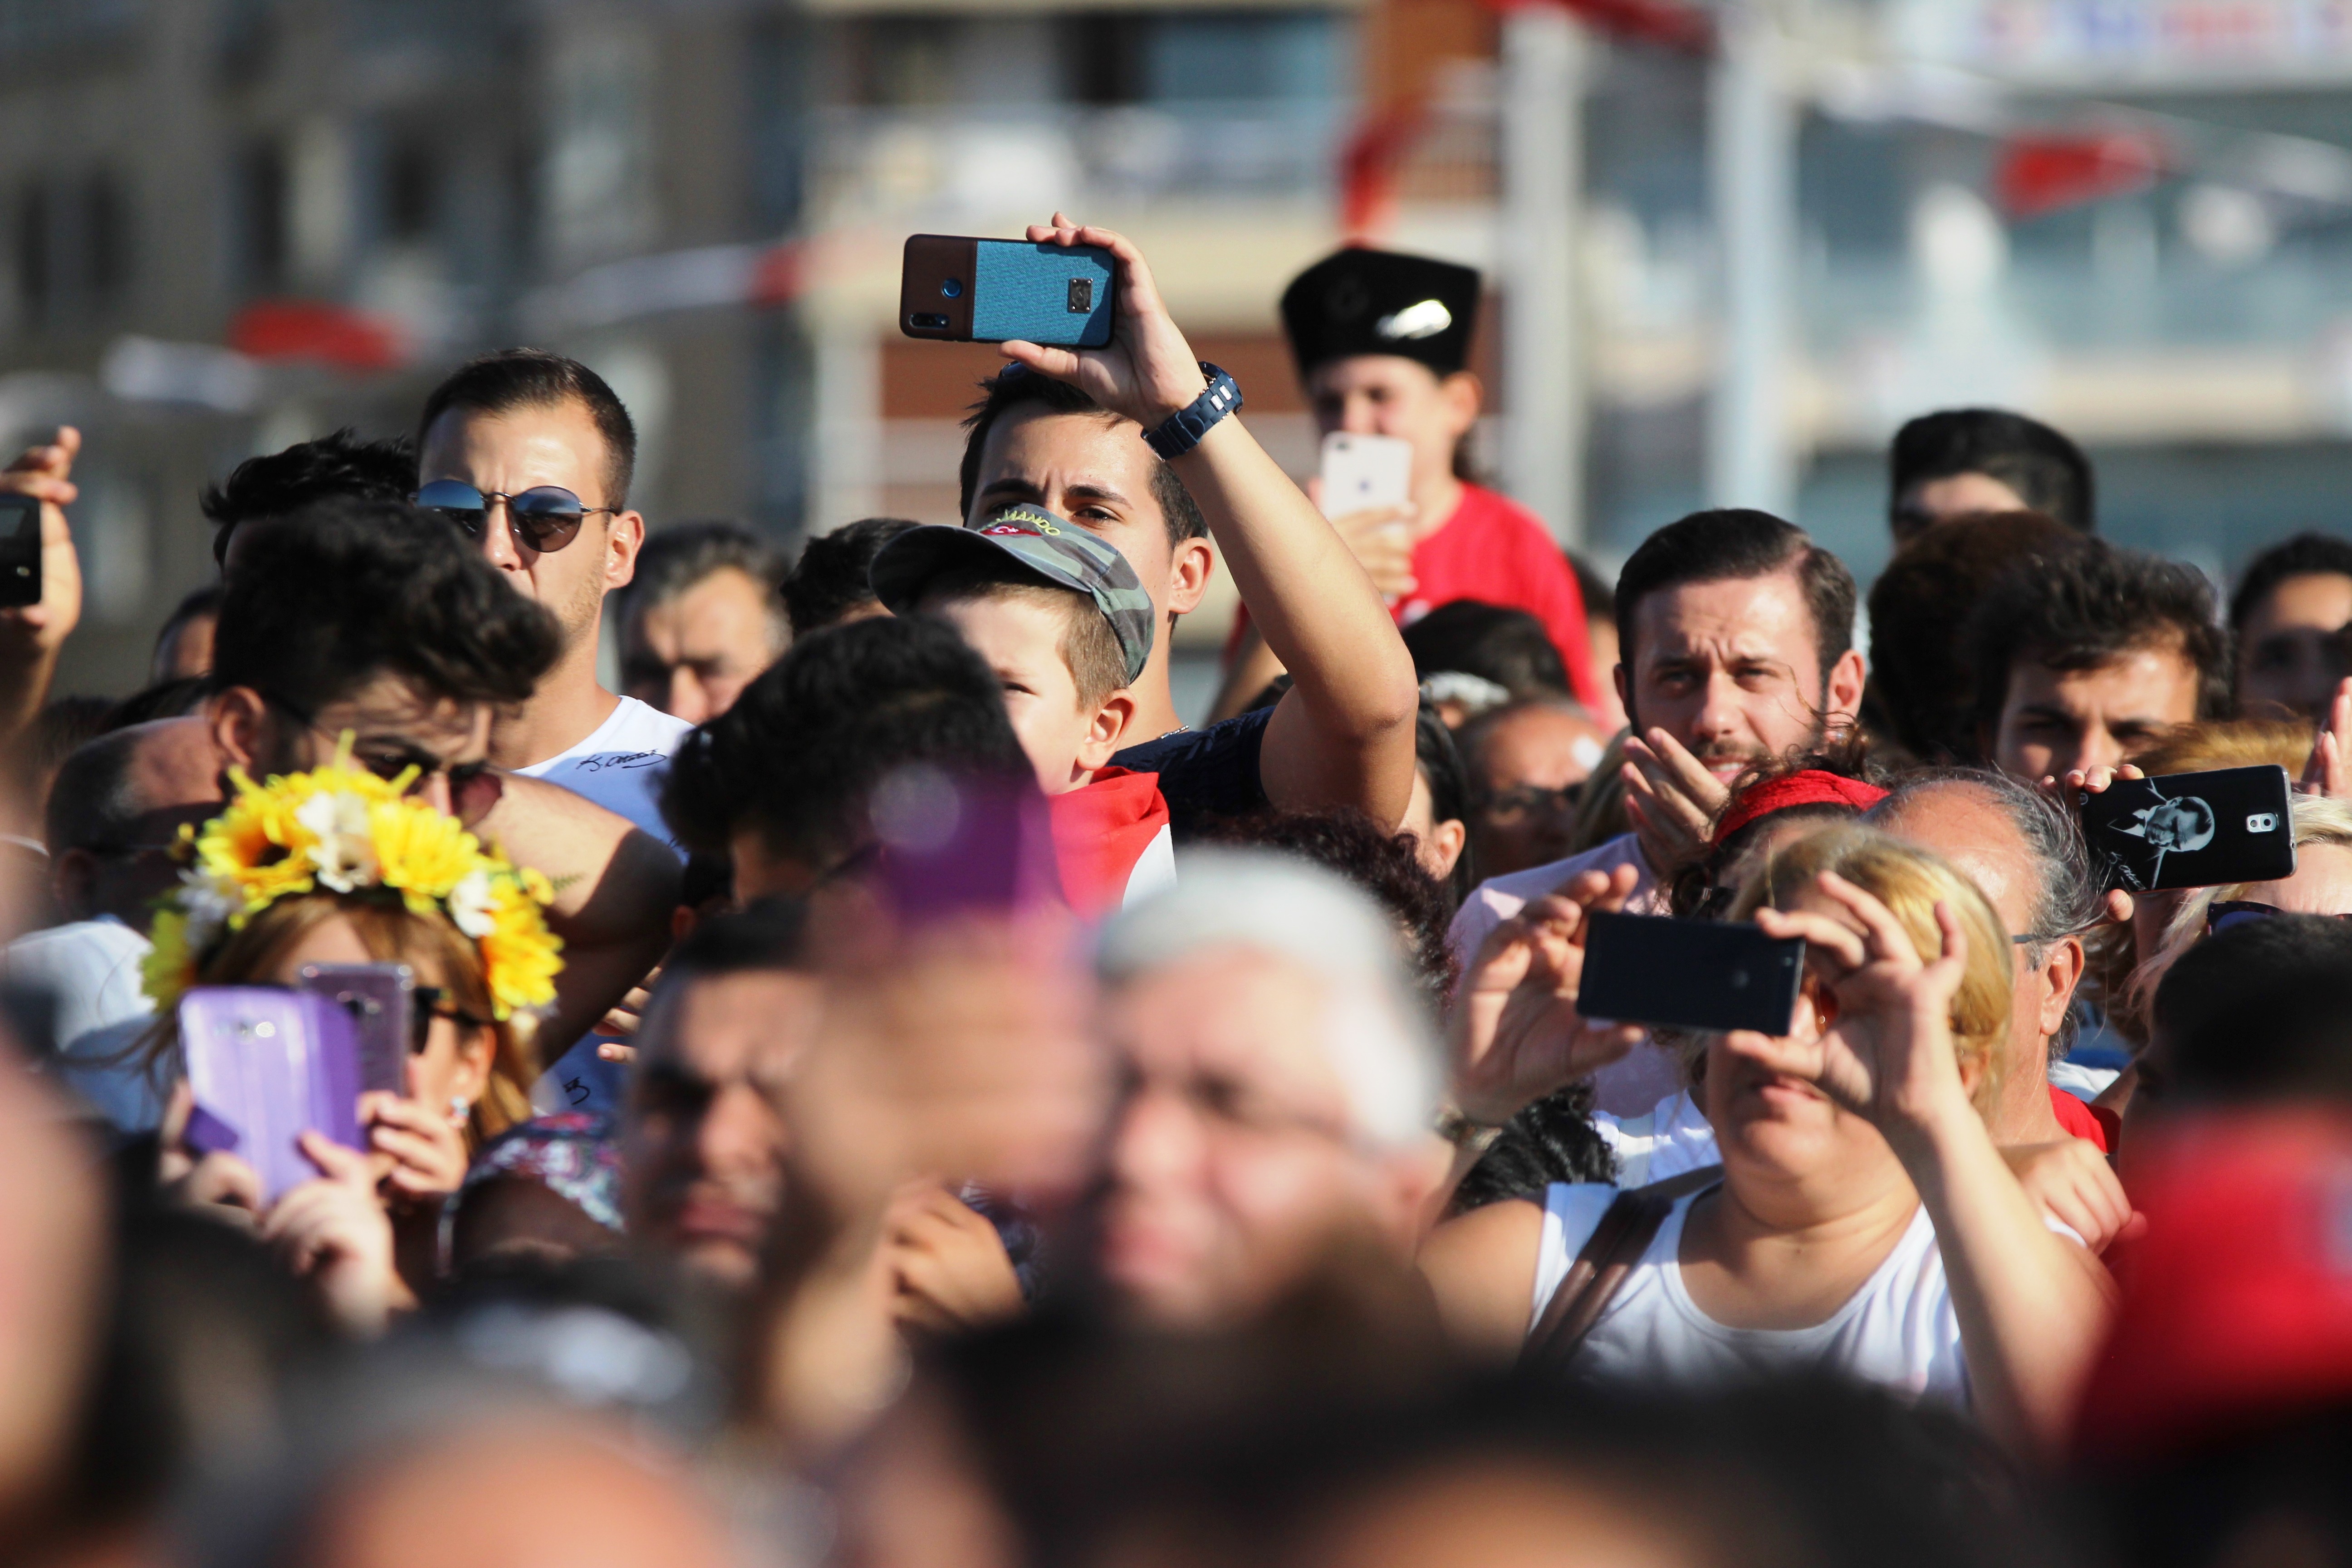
1280,1085
279,484
703,1145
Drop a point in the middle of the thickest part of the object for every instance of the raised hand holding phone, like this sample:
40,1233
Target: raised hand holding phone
1146,372
1517,1034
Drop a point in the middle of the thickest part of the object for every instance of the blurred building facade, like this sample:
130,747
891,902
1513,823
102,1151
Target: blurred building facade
230,224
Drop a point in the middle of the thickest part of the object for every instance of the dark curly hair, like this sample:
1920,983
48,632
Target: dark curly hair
1550,1141
803,748
346,589
1383,864
278,483
2077,609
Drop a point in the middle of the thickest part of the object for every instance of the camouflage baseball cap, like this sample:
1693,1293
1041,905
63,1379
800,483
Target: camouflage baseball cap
1058,553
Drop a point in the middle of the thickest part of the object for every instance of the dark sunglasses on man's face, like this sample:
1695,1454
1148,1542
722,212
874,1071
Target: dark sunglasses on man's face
545,517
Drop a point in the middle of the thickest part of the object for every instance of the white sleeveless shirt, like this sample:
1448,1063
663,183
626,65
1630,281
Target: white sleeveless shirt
1898,1330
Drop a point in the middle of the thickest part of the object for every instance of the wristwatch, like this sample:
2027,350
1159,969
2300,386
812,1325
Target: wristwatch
1181,431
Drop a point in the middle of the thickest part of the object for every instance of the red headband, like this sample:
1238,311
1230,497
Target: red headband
1810,788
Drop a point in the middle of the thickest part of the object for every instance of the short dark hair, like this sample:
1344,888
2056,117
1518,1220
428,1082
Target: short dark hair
347,589
830,582
196,602
2261,1012
2304,555
1732,544
681,556
770,936
1017,386
2047,472
1385,865
2080,608
91,805
277,483
165,700
1440,762
803,748
1921,681
63,726
534,378
1511,647
1088,646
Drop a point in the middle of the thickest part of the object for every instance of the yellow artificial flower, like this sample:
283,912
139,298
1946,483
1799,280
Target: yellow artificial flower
422,852
345,829
169,967
521,957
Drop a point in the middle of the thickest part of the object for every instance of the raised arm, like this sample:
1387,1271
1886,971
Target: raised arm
615,886
2033,1305
1343,734
32,636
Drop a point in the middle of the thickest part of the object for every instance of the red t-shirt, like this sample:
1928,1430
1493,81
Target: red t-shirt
1496,551
2080,1121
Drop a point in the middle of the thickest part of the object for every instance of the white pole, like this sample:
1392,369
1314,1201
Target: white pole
1752,162
1543,390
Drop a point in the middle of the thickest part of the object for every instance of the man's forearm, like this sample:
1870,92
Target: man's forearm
1344,735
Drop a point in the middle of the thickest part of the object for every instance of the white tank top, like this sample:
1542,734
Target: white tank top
1898,1330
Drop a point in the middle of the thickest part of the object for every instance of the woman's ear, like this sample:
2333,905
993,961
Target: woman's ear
1444,844
1107,733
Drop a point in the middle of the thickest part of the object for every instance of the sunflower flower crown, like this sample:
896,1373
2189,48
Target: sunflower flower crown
343,830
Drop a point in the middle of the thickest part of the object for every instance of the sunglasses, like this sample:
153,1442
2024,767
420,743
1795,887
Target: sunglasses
2227,912
544,517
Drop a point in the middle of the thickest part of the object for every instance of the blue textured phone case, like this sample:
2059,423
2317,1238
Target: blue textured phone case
1045,293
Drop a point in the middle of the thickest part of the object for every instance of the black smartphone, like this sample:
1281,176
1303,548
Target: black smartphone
2191,830
1689,974
989,290
20,549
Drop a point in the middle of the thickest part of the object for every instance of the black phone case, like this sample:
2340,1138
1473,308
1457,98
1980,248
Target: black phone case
20,550
1690,974
2191,830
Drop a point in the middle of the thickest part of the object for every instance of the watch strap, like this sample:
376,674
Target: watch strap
1181,431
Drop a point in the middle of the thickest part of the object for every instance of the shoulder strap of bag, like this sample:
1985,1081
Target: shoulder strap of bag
1626,1229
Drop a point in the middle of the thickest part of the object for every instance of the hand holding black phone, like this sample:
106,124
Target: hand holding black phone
20,549
1689,974
2191,830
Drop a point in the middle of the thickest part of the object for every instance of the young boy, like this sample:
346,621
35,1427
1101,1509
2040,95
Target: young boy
1064,623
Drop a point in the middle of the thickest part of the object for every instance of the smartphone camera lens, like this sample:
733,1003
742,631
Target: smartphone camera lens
952,288
928,318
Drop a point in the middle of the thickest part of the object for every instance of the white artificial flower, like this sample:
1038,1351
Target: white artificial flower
208,903
345,852
470,905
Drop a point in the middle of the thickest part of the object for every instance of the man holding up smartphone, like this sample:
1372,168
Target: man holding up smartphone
1133,443
1382,341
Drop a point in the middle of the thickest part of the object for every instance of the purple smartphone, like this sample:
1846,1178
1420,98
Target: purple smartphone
382,1000
961,846
266,1066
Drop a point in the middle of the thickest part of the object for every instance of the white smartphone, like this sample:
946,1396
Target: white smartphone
1361,472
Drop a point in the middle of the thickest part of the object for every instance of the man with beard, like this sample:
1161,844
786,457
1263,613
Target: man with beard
531,455
1736,645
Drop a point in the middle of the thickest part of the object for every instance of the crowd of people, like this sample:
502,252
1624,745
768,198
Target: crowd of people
881,1088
